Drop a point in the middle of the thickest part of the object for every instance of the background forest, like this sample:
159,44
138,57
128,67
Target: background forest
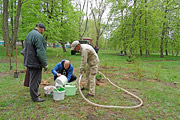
132,26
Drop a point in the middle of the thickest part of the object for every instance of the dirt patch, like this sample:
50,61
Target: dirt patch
171,84
153,80
46,82
8,61
5,61
129,79
3,74
91,117
128,76
100,82
89,110
111,75
106,67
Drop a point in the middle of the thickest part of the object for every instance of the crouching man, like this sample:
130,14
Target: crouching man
64,68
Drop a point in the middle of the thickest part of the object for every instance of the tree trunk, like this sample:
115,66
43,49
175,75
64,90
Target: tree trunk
147,53
81,19
141,51
139,43
133,26
14,39
63,47
54,45
9,43
166,52
12,17
22,43
97,41
162,41
146,39
5,27
177,53
97,16
125,53
163,32
166,41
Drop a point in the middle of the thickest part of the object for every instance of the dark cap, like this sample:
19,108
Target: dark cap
40,25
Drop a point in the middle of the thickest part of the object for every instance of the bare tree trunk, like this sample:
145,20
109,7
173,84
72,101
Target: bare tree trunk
9,44
5,27
146,39
125,53
12,17
140,43
141,51
54,45
162,41
166,52
22,43
81,19
163,33
177,53
14,39
133,26
63,47
97,16
97,41
61,41
166,41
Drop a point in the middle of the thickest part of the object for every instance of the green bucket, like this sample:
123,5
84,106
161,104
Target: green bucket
71,89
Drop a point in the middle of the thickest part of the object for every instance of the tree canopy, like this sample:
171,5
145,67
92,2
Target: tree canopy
133,26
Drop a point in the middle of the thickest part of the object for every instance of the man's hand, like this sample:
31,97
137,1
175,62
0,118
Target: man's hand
58,74
45,68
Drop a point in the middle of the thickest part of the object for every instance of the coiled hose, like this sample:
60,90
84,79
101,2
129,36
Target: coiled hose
107,106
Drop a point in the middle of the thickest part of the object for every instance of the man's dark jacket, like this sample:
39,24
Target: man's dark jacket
35,50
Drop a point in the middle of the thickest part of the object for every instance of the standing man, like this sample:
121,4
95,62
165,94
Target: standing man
89,56
64,68
35,59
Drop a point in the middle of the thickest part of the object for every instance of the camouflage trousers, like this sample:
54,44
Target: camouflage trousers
91,78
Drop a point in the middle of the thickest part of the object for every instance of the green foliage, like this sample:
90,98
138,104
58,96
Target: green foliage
130,58
138,68
59,17
99,76
158,71
145,26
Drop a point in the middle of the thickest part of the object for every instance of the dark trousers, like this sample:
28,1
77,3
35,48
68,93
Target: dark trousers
35,81
73,77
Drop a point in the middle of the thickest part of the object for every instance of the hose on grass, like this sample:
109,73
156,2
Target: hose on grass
107,106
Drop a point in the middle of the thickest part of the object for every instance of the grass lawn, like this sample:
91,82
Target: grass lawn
155,80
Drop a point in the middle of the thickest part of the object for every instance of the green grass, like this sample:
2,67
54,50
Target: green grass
155,80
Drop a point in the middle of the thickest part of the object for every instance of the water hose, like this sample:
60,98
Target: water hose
107,106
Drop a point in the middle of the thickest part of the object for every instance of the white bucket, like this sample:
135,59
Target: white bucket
58,95
48,90
61,80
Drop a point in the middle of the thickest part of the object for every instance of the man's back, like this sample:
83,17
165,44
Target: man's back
35,50
88,54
